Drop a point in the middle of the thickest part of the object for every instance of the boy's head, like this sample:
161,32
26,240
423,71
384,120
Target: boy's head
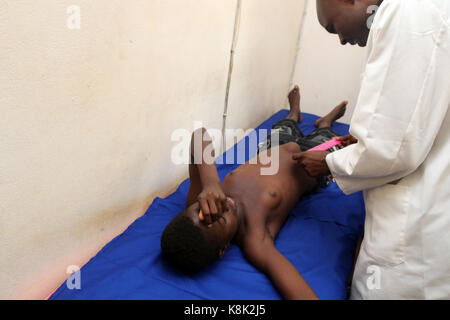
191,245
346,18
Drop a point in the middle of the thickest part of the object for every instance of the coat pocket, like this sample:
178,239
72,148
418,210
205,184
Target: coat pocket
386,219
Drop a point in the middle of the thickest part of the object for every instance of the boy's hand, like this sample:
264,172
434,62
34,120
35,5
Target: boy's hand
313,162
211,203
347,140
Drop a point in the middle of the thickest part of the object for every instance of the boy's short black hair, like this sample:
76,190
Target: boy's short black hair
186,246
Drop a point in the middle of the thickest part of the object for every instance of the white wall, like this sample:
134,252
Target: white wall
265,56
327,72
87,115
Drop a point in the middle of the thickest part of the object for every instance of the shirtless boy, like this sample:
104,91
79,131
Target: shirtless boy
248,208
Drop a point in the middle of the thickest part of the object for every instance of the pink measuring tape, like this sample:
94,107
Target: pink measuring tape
327,145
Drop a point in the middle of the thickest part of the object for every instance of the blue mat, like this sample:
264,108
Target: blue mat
319,238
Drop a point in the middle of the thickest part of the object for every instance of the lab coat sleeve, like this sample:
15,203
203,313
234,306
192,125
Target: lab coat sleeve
393,120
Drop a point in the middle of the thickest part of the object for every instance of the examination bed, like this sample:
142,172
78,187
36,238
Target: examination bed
319,238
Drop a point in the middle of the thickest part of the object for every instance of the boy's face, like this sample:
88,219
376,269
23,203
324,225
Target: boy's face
346,18
222,231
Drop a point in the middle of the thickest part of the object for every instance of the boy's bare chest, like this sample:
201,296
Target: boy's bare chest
267,199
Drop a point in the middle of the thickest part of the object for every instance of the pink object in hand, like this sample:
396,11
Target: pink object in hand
327,145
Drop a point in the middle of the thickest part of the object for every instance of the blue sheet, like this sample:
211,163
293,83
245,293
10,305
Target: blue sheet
319,238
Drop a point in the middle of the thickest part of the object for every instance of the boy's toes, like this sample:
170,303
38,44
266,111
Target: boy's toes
295,89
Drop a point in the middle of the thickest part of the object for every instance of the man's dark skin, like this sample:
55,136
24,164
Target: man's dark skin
347,19
250,209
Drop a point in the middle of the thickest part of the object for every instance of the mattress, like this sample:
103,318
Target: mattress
319,238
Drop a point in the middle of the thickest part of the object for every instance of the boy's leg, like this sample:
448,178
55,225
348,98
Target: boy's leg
294,104
287,129
323,132
334,115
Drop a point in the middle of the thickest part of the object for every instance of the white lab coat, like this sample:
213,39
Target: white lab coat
402,158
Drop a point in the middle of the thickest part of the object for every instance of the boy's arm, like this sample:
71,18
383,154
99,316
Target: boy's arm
285,277
205,183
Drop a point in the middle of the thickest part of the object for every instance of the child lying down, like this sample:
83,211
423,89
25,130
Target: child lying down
248,208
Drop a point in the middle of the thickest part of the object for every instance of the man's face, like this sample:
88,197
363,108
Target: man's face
346,18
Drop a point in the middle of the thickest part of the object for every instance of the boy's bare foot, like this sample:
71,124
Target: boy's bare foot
294,102
334,115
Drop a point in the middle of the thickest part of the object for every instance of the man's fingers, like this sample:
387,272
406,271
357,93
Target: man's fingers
348,139
298,156
344,141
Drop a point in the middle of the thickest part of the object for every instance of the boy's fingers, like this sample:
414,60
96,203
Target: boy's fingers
201,216
212,206
208,219
204,207
207,211
219,206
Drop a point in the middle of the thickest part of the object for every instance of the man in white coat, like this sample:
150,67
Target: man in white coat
399,144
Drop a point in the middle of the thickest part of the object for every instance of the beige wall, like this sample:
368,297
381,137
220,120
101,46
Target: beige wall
87,115
265,56
327,72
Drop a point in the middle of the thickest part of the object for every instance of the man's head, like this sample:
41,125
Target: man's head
191,245
346,18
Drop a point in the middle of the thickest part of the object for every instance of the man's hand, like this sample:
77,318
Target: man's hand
211,203
314,162
347,140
